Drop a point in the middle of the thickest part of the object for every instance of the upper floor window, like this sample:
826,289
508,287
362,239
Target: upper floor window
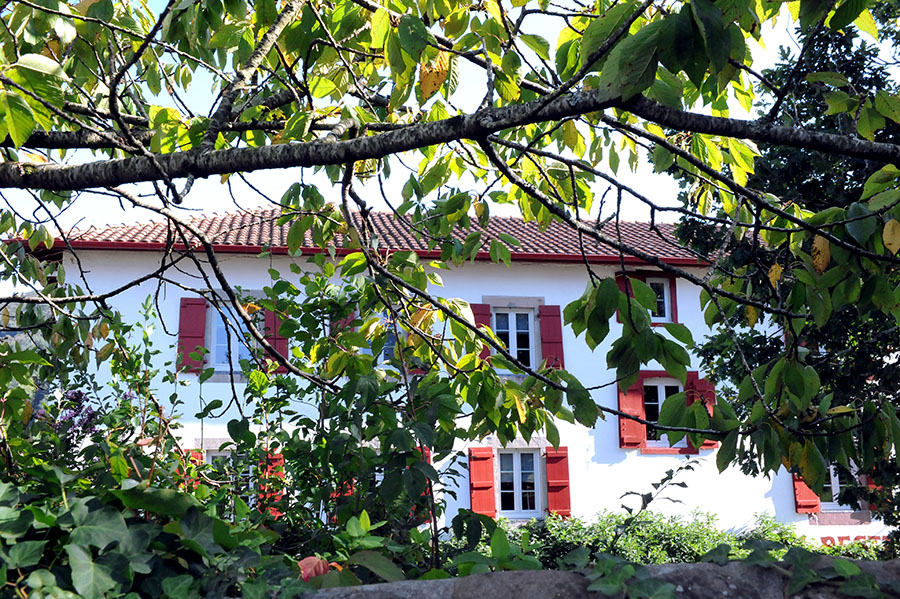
663,310
227,347
519,474
515,329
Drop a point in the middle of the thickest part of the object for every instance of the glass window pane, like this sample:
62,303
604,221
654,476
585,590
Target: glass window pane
503,336
507,501
527,462
523,340
521,321
671,390
506,462
528,502
528,481
501,319
506,481
524,356
659,289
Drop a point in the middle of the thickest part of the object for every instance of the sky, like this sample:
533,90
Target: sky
211,195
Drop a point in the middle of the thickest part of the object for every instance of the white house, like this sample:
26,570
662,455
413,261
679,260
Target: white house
593,468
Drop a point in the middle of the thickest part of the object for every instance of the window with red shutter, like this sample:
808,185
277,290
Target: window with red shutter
558,494
805,500
664,286
551,336
481,481
191,333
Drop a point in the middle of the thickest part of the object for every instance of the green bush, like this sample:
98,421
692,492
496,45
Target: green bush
657,539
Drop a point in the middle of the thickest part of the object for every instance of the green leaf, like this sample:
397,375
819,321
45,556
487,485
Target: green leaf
870,121
499,545
600,28
888,105
861,228
414,36
25,554
91,580
378,565
631,67
41,64
18,117
846,13
681,333
829,77
538,45
165,502
98,526
845,567
708,18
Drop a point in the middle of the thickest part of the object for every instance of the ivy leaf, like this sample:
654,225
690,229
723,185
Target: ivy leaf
91,579
25,554
98,526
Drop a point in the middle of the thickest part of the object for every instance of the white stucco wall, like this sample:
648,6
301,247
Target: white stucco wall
600,472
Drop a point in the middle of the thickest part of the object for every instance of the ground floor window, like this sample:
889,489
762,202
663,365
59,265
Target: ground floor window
519,475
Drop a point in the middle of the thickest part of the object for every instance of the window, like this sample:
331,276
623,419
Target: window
656,391
219,343
837,480
519,478
242,482
515,328
662,288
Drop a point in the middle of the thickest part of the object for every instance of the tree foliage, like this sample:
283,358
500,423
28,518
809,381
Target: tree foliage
464,107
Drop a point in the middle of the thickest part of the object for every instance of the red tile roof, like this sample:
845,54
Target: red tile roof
250,231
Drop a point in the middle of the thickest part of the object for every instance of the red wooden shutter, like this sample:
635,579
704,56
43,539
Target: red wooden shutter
805,500
272,324
558,497
698,389
482,314
271,467
481,481
191,332
631,433
551,336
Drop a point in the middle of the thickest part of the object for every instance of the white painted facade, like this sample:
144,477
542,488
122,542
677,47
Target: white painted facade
600,472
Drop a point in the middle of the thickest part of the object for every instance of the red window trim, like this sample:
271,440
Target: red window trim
643,275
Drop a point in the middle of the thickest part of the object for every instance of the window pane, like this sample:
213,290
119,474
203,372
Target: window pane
524,356
521,321
506,481
671,390
503,336
527,462
651,410
528,481
528,501
523,340
659,288
507,501
501,319
506,462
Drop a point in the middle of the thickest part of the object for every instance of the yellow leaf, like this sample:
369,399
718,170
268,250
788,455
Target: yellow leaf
520,407
837,410
865,22
251,308
479,209
4,317
891,235
33,157
224,178
775,275
821,253
433,75
752,315
27,412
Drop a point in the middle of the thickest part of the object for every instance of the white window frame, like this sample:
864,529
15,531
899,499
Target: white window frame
247,476
834,484
661,383
517,513
513,346
216,332
667,298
